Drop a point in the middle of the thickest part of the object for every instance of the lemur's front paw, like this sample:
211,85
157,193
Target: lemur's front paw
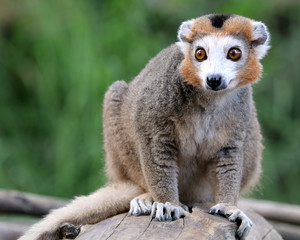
168,211
141,205
234,215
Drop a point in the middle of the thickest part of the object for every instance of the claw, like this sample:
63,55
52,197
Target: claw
140,207
167,211
217,209
234,215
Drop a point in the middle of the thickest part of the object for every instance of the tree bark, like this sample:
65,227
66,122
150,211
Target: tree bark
284,217
198,225
26,203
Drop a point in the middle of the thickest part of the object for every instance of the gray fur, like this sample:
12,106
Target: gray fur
157,108
160,110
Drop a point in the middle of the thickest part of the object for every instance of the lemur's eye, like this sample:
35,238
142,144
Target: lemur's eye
200,54
234,54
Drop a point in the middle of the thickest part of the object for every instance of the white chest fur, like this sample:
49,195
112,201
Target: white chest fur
200,134
193,133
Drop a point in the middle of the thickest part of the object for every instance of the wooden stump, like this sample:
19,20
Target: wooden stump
198,225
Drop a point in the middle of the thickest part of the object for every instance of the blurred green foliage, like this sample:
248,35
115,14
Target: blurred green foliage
57,58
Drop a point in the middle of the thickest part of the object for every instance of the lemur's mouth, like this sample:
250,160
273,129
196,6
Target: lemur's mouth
223,86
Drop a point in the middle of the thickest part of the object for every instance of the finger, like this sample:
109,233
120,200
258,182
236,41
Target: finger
176,214
241,234
153,211
185,208
217,209
148,204
144,208
168,209
233,215
160,212
244,228
134,207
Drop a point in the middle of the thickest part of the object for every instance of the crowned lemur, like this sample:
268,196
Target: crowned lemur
183,131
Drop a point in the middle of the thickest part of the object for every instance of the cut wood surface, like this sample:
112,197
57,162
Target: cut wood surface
198,225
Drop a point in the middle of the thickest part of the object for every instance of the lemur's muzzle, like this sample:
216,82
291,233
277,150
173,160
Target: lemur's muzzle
215,82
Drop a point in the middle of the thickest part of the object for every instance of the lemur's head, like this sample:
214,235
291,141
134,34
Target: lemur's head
222,51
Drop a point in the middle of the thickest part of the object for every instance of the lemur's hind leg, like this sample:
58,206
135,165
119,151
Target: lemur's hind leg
104,203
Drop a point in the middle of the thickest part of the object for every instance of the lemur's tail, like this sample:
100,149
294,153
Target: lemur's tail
106,202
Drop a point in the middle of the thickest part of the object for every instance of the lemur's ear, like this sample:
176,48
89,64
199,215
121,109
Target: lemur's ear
183,36
184,31
261,38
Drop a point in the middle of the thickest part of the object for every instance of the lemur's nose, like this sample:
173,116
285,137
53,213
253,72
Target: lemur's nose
214,81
